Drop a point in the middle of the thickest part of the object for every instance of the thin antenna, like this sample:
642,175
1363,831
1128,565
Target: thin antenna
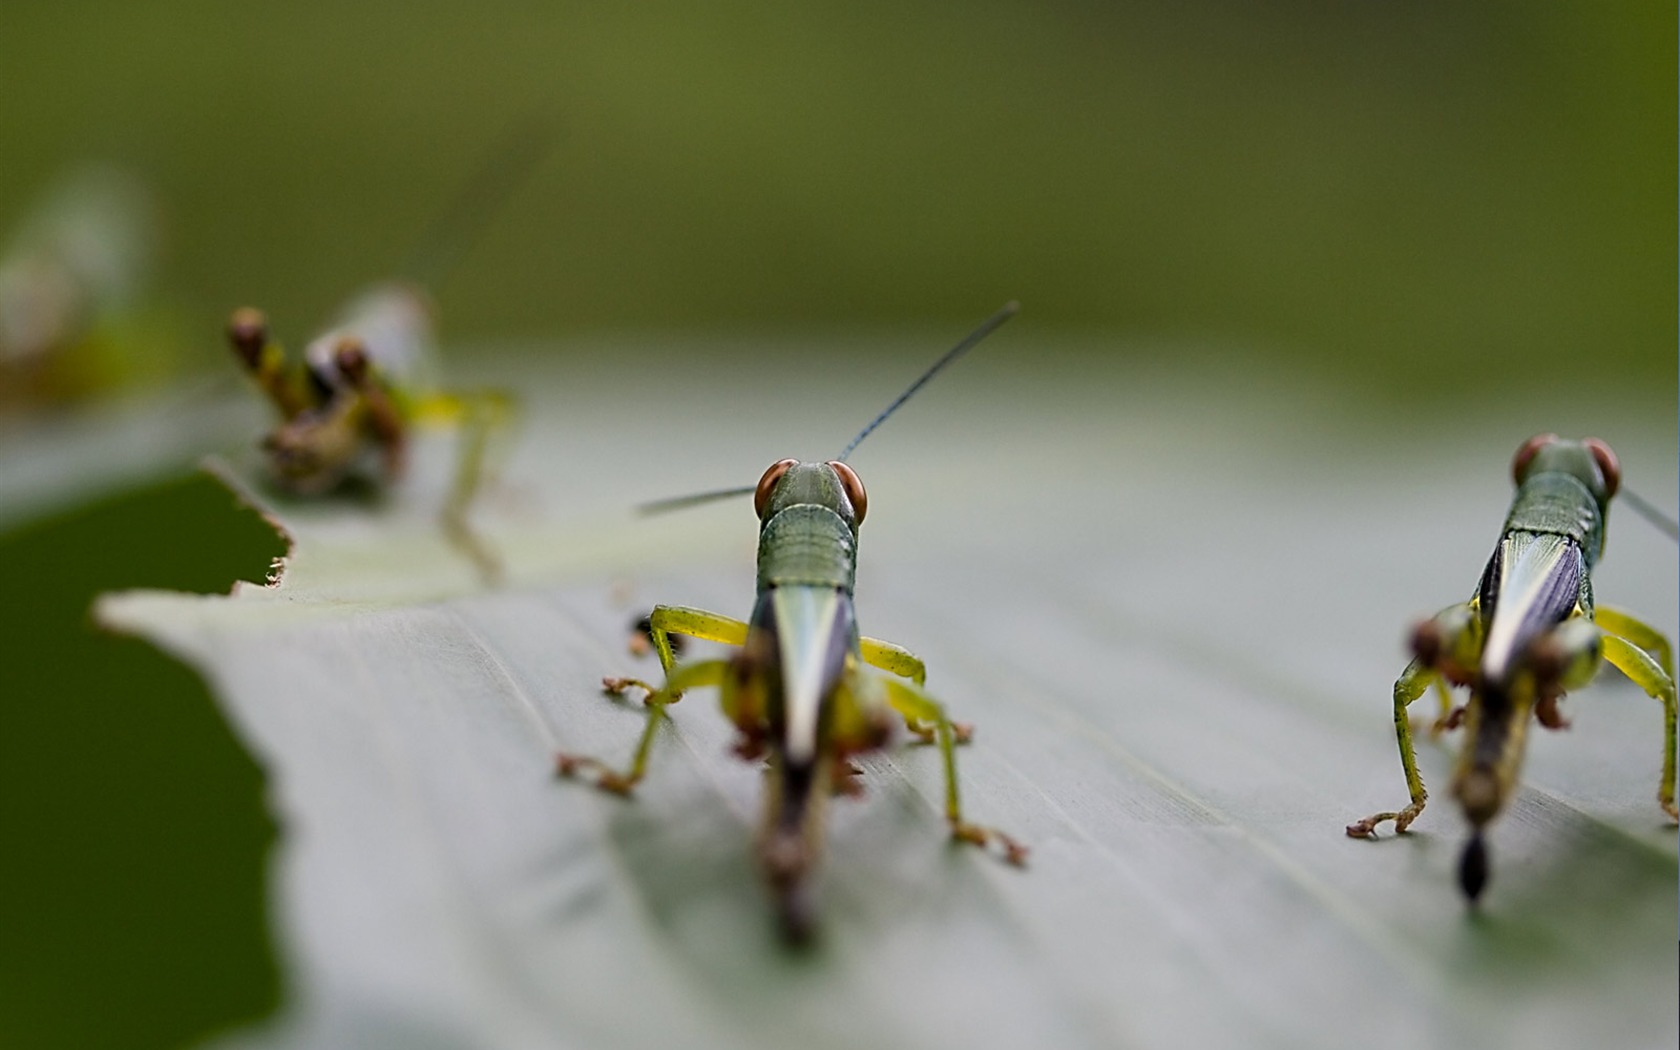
660,506
1652,513
987,327
458,226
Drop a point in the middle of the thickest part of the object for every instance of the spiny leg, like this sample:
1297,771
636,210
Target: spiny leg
688,676
911,701
902,662
1656,679
1412,683
1446,646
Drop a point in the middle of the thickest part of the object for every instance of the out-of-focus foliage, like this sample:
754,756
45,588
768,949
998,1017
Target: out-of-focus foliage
132,824
1424,197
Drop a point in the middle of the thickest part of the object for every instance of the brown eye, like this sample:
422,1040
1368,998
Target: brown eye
350,355
854,490
1525,455
761,497
248,332
1607,464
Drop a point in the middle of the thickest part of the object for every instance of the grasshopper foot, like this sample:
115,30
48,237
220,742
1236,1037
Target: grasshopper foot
1013,851
848,781
1447,722
1547,713
1367,828
606,778
620,686
925,733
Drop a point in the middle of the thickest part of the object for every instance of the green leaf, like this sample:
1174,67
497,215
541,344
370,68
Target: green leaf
1171,603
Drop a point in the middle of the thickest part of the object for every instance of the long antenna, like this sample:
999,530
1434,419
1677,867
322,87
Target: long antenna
457,227
1652,513
987,327
660,506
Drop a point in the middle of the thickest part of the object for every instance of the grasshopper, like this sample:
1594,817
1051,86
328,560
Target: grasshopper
1528,634
803,688
348,406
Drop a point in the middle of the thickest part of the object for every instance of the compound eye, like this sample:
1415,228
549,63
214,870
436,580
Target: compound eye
849,481
1607,464
761,496
1526,454
351,356
248,332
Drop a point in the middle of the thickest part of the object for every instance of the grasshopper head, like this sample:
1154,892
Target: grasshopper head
791,483
248,333
1589,461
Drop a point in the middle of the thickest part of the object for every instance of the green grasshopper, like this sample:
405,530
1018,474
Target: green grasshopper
348,406
1530,633
803,687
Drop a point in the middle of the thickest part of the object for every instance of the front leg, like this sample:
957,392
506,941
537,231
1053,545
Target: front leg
1413,683
699,673
1445,647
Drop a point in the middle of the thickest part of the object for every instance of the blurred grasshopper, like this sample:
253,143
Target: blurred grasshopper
1529,633
801,687
70,277
348,406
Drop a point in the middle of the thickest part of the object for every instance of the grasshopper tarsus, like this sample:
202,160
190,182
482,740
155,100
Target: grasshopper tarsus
928,734
1547,714
1367,828
606,778
619,686
1447,722
1013,852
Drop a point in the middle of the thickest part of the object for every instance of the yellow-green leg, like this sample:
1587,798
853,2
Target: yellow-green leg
688,676
913,702
478,416
902,662
666,620
1412,683
1449,716
1639,651
893,658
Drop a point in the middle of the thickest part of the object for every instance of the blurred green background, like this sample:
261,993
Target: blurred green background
1424,205
1419,198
